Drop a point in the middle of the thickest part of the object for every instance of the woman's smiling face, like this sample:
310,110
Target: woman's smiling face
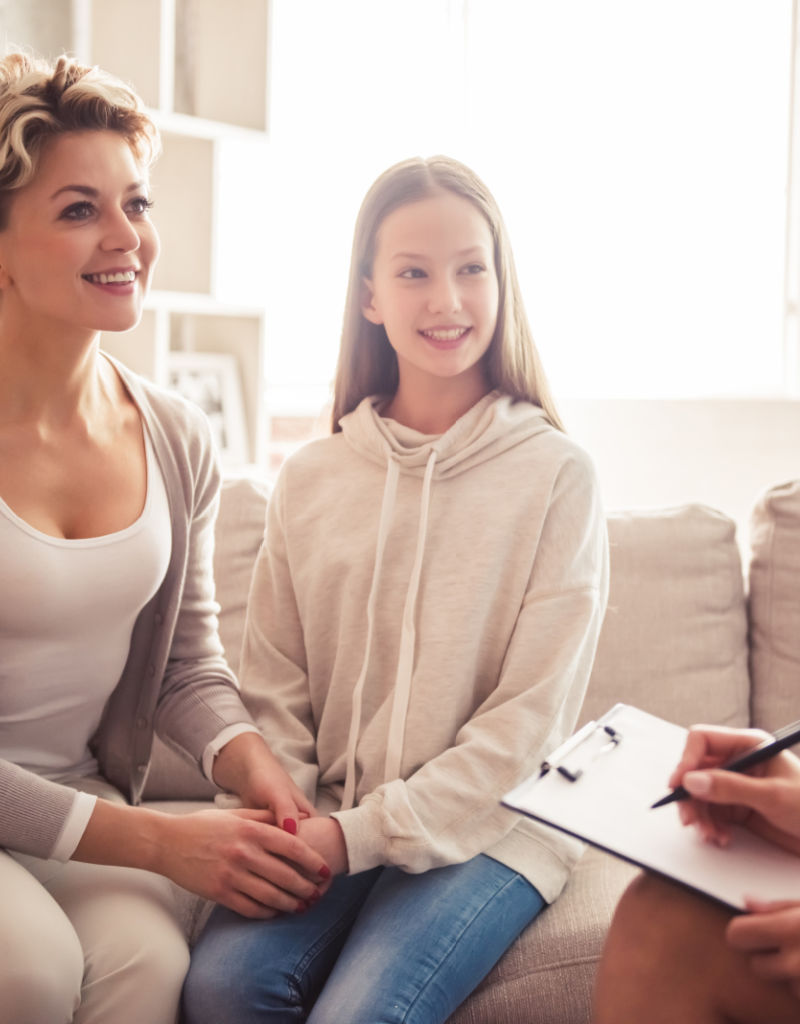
78,247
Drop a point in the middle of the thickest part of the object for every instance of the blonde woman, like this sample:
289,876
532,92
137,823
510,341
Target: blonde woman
108,494
421,627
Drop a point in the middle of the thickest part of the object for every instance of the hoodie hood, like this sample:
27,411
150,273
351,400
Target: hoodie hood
493,425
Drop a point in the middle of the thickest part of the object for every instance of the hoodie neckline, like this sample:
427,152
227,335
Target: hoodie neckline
496,422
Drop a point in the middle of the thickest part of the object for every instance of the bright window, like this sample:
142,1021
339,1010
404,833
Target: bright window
638,149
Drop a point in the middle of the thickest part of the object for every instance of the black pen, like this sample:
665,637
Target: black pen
782,738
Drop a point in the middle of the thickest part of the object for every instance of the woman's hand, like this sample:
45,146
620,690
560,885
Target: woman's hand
766,800
237,858
770,937
242,860
247,767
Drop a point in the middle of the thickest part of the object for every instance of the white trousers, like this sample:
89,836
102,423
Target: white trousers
87,943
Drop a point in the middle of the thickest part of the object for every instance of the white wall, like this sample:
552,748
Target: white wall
721,452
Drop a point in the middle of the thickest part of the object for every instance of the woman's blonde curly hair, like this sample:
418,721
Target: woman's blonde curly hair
39,100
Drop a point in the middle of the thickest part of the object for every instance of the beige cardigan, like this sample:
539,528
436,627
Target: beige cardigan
176,680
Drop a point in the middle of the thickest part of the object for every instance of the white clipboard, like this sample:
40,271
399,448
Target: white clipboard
599,787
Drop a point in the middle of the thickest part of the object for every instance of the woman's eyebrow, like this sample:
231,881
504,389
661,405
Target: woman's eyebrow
87,190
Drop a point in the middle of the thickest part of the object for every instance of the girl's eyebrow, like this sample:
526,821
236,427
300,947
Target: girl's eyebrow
407,256
92,193
461,254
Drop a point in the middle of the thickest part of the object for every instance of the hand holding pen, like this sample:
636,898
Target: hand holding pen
766,799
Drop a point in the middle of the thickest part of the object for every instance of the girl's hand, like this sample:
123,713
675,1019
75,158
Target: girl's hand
240,859
766,799
327,838
247,767
770,936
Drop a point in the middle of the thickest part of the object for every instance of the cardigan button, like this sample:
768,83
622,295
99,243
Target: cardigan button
141,723
158,618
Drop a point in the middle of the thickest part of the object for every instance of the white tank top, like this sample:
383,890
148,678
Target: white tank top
67,610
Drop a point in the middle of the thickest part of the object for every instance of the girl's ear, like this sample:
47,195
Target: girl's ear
367,298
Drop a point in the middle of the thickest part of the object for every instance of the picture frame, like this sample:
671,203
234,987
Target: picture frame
212,381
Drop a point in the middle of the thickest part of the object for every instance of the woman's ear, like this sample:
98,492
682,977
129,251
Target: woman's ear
367,298
5,277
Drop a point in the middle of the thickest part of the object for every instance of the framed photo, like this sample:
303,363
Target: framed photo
212,381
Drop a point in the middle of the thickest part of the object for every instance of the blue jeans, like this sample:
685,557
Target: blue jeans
381,947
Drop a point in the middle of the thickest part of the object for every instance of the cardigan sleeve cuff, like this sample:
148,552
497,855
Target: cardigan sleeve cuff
225,736
74,826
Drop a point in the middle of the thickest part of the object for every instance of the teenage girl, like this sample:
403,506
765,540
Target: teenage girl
422,625
108,494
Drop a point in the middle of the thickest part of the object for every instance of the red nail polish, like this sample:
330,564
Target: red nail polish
301,907
325,871
290,825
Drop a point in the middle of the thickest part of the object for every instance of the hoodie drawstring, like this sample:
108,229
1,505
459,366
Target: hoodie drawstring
405,661
387,511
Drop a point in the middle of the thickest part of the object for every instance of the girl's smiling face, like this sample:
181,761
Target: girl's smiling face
434,288
78,247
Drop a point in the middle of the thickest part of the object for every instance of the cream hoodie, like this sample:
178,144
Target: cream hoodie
422,624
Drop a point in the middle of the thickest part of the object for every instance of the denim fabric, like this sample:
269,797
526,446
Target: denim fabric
381,947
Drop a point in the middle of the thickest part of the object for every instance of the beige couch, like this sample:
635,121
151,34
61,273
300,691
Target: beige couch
686,636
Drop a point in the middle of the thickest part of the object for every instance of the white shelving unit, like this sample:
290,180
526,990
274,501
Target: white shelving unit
201,66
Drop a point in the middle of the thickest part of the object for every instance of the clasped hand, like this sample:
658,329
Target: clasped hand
251,860
241,859
767,801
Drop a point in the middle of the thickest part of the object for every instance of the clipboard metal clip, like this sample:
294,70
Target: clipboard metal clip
592,742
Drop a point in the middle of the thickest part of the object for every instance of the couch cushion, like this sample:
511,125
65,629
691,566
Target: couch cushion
774,606
239,529
674,640
238,535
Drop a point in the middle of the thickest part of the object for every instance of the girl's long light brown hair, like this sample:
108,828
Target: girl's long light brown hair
367,363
